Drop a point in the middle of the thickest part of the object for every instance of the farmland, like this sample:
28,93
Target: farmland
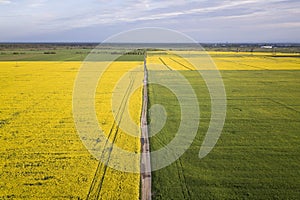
109,183
257,154
60,52
43,157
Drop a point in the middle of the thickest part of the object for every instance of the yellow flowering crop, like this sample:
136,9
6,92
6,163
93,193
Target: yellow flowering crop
42,156
181,60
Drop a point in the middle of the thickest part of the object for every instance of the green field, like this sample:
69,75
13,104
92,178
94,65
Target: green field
63,55
257,155
64,52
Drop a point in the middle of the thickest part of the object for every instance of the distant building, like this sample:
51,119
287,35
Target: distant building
267,47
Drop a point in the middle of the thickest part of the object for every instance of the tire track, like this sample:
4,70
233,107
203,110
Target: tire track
98,179
101,166
182,179
236,62
163,62
284,105
182,64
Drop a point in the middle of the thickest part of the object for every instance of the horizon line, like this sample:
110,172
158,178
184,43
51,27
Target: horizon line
82,42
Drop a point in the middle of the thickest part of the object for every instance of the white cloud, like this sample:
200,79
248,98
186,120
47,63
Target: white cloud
49,17
36,3
146,10
5,2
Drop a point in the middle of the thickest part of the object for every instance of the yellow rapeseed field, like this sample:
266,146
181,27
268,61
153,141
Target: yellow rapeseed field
117,184
167,62
181,60
42,156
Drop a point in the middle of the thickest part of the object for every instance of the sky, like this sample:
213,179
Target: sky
204,20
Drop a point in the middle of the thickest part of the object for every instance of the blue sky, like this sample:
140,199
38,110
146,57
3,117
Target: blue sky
203,20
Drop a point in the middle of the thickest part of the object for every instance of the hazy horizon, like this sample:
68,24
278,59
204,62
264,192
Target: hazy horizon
95,43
